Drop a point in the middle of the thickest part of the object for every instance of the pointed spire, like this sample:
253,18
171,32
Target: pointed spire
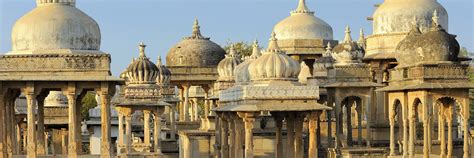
196,31
302,8
347,37
415,28
232,51
435,26
361,40
142,49
159,62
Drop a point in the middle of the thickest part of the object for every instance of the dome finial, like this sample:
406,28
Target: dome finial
328,50
361,40
302,8
435,24
232,51
415,29
273,45
255,50
348,37
196,29
142,49
45,2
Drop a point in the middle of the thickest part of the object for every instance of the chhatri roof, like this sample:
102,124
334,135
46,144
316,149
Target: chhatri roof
302,24
195,51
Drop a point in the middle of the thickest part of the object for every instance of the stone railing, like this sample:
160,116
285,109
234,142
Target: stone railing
349,71
453,72
54,62
193,73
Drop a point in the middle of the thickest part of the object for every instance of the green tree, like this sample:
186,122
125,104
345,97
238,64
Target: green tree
88,102
464,52
242,48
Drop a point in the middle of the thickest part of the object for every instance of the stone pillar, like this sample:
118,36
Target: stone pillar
217,145
40,126
18,137
426,131
173,123
450,131
441,130
31,107
466,115
299,119
3,150
73,148
146,127
105,97
186,103
157,131
392,129
411,143
206,102
405,128
313,137
329,121
128,133
195,109
349,121
224,137
120,133
249,119
278,138
238,137
7,126
25,138
64,141
290,126
359,123
368,102
337,115
181,104
213,106
232,141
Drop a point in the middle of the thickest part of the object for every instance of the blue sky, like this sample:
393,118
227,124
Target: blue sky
162,23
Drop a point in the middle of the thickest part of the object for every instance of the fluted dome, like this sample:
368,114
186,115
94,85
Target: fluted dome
164,76
141,70
434,46
241,72
274,64
55,25
394,16
55,99
195,51
349,51
302,24
227,65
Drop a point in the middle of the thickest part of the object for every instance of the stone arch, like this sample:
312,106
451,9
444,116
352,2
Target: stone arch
351,115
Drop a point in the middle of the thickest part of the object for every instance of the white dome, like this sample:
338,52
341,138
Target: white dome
396,16
226,66
348,51
241,72
53,26
55,99
302,24
274,64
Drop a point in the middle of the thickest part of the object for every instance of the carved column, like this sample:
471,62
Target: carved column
411,143
465,122
313,137
278,138
450,131
105,96
290,126
217,145
73,147
224,137
3,150
64,141
426,130
186,103
238,137
146,127
31,107
120,133
368,103
128,133
359,123
195,109
40,126
299,135
181,104
441,130
206,102
7,126
329,132
392,129
249,119
173,123
232,137
157,131
405,126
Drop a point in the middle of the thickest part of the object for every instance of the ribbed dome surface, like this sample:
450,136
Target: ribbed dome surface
274,64
302,24
241,72
164,76
433,46
54,25
395,16
348,51
195,51
141,70
226,66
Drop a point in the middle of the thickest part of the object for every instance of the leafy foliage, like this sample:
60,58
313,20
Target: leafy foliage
242,48
88,102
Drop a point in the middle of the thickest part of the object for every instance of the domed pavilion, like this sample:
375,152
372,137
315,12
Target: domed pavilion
55,47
